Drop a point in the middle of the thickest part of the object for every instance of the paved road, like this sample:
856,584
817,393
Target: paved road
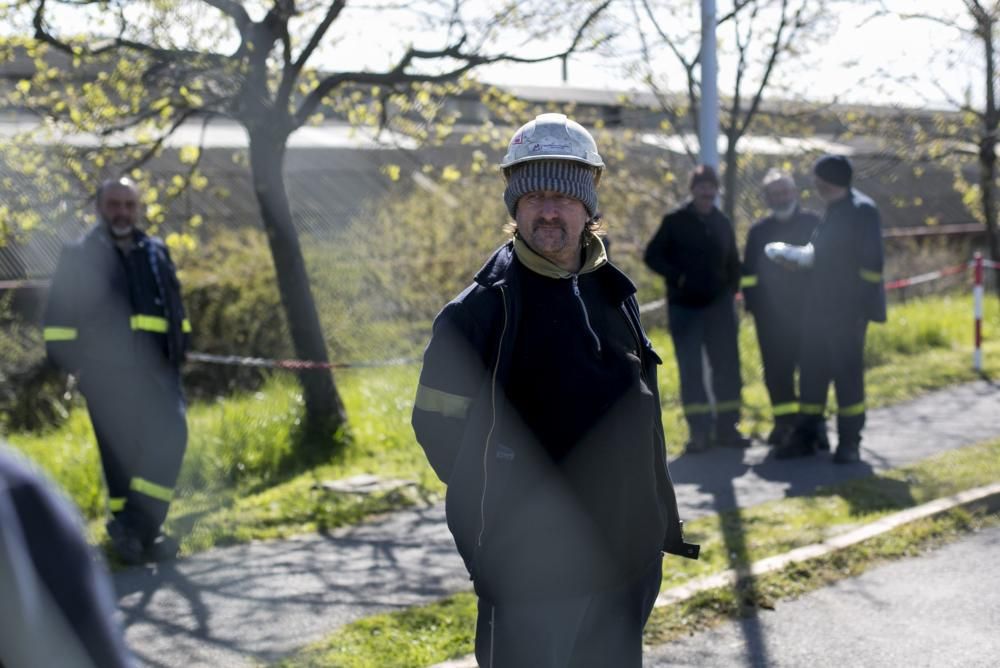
938,610
240,605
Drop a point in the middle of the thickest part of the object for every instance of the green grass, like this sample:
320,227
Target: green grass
240,480
425,635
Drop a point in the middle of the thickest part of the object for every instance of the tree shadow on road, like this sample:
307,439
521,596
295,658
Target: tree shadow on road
260,601
714,473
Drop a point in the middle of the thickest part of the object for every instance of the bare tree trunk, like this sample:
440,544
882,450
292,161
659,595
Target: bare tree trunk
324,410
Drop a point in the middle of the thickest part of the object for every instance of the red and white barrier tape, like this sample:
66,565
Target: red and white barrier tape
925,278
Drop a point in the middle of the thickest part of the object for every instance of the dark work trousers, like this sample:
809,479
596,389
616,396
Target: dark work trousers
833,352
141,429
780,339
711,328
595,630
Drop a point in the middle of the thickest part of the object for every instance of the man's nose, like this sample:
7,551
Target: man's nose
549,209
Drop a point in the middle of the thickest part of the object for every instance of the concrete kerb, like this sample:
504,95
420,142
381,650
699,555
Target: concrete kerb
986,497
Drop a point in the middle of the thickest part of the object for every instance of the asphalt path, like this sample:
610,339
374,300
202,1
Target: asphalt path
938,610
243,605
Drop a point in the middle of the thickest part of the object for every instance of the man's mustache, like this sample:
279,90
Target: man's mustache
550,222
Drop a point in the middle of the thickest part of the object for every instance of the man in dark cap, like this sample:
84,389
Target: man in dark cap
695,251
845,292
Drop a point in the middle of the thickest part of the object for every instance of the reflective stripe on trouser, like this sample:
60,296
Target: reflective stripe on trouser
834,353
711,328
779,338
139,421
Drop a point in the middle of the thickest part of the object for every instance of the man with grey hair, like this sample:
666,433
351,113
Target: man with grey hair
774,294
115,320
538,406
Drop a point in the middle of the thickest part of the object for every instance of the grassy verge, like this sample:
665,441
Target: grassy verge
425,635
240,481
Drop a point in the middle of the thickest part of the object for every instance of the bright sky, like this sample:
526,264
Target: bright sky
371,36
910,50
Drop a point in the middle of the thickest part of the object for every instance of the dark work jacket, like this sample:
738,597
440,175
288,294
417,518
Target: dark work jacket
108,311
58,606
697,256
846,283
770,290
532,518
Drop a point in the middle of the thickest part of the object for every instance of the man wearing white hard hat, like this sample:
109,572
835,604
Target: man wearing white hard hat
538,406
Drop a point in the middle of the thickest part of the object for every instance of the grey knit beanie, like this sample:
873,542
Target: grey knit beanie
563,176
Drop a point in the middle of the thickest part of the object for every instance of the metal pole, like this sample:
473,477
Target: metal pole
977,306
708,115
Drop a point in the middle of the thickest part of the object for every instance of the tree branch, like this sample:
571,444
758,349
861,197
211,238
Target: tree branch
400,73
291,73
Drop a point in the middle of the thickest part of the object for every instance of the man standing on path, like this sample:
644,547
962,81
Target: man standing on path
695,251
115,320
774,295
538,406
845,292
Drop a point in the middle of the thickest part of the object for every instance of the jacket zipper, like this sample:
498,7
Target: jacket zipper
493,423
583,307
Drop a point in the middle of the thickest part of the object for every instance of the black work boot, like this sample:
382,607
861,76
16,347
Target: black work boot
162,548
802,443
730,437
125,543
697,443
848,451
822,440
781,432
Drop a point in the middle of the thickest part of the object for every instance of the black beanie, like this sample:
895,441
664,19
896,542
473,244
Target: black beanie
834,169
562,176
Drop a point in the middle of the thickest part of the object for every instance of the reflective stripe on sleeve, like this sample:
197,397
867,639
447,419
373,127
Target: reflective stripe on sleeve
748,281
436,401
116,504
149,323
870,276
852,410
186,326
151,489
59,334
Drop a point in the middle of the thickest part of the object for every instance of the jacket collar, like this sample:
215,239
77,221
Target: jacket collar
500,268
99,234
594,257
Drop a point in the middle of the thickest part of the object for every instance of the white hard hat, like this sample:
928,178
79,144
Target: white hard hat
552,137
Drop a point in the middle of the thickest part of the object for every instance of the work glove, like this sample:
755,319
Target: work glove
788,256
